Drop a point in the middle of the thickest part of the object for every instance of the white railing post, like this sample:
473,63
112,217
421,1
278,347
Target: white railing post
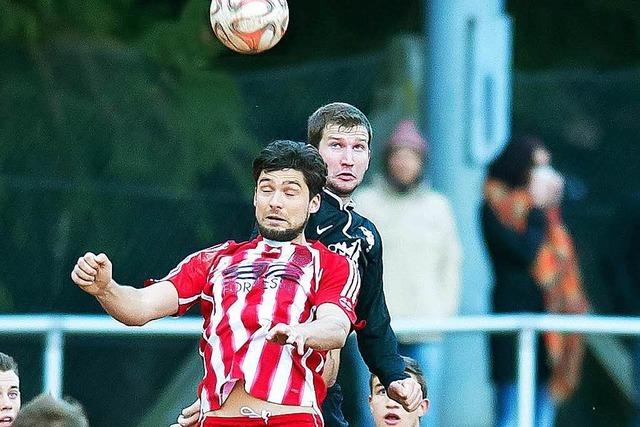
526,377
53,363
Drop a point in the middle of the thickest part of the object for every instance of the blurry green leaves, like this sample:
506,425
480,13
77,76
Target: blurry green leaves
186,44
114,136
150,111
17,23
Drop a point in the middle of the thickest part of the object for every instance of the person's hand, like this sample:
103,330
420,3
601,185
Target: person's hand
406,392
189,416
92,273
546,187
287,334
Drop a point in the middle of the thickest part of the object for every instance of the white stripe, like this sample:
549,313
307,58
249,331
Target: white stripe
234,314
183,301
321,364
252,359
283,371
204,395
351,279
315,254
356,280
281,376
355,294
300,299
268,303
308,397
254,351
308,391
212,339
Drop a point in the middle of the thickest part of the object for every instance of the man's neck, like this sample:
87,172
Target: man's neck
300,240
345,199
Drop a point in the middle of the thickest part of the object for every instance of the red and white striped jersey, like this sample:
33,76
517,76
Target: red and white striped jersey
244,289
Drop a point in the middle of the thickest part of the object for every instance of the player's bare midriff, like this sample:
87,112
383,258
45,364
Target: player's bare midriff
239,398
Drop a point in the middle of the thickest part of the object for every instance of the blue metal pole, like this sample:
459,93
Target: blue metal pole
53,373
526,377
468,97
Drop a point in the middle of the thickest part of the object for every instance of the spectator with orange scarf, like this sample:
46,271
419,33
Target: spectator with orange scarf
536,271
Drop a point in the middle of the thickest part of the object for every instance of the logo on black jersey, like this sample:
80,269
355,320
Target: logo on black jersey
320,230
351,251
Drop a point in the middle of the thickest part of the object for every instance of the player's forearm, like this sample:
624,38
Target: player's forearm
327,333
379,349
125,304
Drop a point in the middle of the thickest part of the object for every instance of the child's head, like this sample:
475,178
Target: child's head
387,412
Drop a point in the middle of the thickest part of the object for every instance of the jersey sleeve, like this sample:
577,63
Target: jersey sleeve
190,276
339,284
377,342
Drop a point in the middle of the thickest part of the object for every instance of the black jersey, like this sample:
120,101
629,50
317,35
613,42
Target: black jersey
348,233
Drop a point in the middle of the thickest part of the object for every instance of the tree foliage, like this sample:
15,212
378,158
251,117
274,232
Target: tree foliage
112,139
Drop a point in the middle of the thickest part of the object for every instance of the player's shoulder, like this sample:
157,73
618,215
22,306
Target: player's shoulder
359,220
327,256
227,248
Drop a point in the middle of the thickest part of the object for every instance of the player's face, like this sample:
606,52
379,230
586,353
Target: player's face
405,165
346,153
282,205
9,398
388,412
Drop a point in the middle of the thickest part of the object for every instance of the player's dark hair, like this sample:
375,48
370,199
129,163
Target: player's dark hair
411,367
8,364
337,113
285,154
45,410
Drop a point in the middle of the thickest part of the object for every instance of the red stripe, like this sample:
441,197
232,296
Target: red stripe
303,262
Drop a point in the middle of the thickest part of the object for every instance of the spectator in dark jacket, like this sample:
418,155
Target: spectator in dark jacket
535,270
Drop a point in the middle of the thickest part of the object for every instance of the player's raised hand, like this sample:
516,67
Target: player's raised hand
92,273
406,392
287,334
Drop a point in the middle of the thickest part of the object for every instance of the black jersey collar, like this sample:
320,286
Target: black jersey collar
336,201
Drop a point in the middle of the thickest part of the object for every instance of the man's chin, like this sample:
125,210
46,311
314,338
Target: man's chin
343,189
285,235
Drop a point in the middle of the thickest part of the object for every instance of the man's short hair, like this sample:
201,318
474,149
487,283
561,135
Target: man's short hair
285,154
47,411
411,367
336,113
8,364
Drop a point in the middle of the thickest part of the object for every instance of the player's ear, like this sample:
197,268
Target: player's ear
314,204
423,408
255,193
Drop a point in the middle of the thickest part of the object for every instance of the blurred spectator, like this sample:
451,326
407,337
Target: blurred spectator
535,269
9,390
46,411
422,251
386,411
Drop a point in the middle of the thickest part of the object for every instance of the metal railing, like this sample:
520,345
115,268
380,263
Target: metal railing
56,327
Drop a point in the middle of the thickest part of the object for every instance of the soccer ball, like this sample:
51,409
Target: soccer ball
249,26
